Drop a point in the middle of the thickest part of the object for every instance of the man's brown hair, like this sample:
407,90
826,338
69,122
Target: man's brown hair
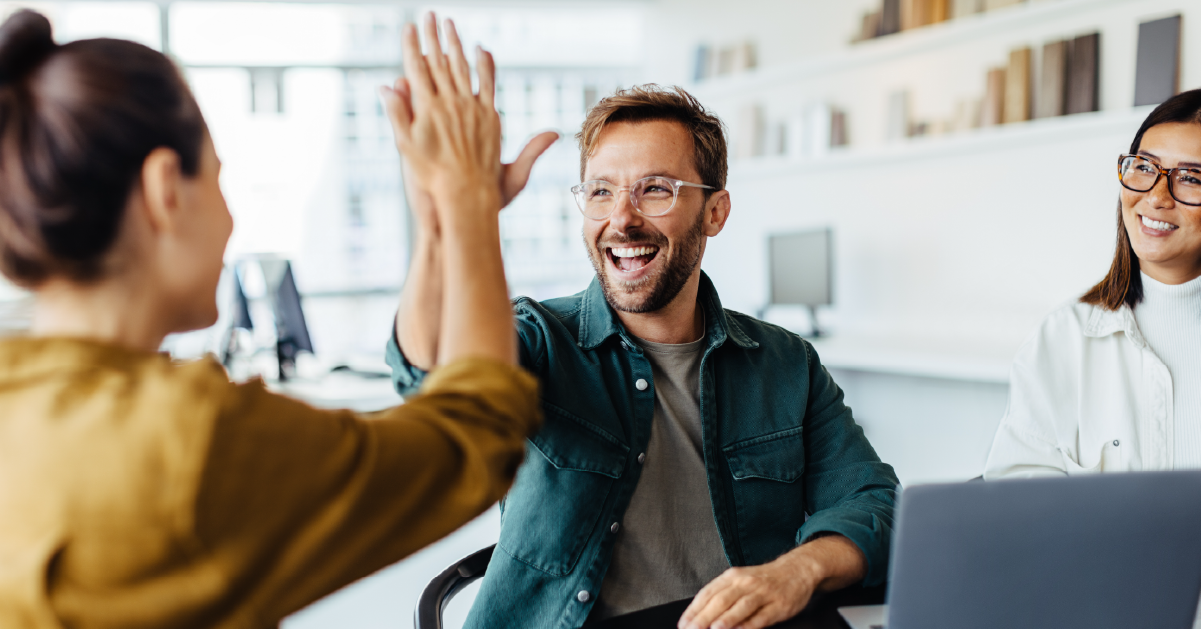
650,102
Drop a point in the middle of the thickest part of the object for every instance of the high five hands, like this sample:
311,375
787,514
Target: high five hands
433,97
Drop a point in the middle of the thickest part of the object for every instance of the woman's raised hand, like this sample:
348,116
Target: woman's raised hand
448,134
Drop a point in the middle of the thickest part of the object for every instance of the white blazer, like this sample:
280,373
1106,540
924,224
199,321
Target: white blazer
1086,394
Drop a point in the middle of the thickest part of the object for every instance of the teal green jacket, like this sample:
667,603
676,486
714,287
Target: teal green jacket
785,459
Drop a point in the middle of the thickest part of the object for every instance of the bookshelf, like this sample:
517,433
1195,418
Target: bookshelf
949,236
964,31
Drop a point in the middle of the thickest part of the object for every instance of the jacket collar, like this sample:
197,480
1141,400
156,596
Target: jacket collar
598,322
1102,322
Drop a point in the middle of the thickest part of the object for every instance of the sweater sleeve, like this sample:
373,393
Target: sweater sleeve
296,502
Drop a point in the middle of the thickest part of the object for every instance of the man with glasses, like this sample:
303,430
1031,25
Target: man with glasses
687,450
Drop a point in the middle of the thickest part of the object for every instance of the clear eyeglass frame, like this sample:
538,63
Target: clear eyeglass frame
1128,161
580,190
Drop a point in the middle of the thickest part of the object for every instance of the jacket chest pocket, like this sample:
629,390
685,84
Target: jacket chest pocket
560,492
769,493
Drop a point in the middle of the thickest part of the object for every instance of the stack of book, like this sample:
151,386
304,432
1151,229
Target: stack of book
895,16
1066,82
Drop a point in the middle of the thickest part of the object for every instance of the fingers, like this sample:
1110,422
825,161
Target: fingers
699,603
460,71
740,611
439,70
398,110
516,175
416,70
486,68
765,617
721,602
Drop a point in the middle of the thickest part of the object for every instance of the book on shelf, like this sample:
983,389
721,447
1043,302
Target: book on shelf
703,62
1083,74
1051,95
1157,77
940,11
890,19
909,10
1017,87
725,60
993,108
963,8
838,128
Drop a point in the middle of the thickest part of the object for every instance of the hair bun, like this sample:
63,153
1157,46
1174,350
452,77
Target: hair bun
25,40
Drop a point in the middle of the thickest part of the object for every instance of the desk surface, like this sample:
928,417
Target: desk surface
822,613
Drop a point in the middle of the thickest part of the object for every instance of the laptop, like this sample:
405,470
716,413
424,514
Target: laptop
1097,552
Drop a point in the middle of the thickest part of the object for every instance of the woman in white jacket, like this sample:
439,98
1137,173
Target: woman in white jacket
1113,382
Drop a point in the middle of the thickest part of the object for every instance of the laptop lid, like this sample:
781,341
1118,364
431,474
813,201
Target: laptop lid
1114,550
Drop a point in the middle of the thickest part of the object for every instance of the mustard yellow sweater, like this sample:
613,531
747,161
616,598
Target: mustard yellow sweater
140,492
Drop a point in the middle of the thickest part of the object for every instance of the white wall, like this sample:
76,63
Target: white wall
962,241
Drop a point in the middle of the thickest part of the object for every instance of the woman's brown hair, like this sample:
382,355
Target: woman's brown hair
77,122
1123,284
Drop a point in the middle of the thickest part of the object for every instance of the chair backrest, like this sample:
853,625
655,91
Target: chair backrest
446,585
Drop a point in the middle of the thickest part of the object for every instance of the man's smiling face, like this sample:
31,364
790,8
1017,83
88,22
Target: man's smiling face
643,262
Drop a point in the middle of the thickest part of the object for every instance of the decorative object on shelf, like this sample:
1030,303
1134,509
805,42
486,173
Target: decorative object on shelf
750,132
898,115
1017,87
1158,75
963,8
1083,74
726,60
993,110
1052,86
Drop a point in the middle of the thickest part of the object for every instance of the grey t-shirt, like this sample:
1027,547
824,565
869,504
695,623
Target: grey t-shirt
668,547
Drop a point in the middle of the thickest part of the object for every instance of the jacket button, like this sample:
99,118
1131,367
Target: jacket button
615,527
641,458
641,384
1115,443
583,596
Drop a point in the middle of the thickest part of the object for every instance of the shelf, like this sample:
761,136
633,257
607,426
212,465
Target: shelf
964,30
1021,135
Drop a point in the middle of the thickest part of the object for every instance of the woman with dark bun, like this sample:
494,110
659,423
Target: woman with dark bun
140,492
1112,382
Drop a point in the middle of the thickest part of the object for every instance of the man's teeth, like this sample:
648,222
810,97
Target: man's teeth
634,252
1159,225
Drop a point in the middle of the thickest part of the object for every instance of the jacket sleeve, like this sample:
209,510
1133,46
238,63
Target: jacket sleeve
1042,387
297,502
407,378
848,490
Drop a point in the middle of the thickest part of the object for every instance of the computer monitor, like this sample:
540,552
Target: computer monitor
800,269
272,282
291,331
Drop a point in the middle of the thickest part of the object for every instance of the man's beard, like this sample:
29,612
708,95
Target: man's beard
665,284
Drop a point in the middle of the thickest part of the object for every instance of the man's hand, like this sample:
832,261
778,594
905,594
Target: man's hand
759,596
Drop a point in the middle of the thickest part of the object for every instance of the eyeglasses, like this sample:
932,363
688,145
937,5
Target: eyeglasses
1140,174
651,196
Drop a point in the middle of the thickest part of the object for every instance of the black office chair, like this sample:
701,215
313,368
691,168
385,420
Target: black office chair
445,586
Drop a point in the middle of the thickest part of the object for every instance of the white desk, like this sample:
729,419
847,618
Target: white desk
973,361
341,390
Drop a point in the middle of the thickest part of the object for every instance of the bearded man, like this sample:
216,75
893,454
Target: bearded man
687,450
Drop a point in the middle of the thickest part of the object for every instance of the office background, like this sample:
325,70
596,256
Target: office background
951,236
